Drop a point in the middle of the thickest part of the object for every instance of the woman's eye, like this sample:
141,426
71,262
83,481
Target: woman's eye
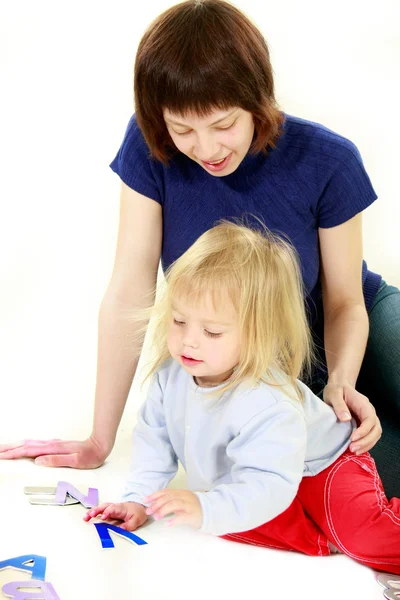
211,334
225,128
183,132
179,323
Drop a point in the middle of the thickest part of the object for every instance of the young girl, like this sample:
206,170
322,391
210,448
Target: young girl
267,462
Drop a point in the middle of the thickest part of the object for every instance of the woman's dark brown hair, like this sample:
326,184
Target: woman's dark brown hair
202,55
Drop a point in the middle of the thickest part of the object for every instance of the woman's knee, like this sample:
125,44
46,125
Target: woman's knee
379,377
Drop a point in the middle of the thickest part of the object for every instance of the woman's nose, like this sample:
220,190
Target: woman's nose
207,149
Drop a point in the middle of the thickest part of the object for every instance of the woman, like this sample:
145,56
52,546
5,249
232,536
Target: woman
208,142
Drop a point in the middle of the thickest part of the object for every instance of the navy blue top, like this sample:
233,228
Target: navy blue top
313,178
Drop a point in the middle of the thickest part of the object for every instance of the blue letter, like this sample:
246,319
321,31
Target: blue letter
38,569
106,541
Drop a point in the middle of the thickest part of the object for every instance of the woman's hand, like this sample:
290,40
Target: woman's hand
88,454
127,515
184,504
345,397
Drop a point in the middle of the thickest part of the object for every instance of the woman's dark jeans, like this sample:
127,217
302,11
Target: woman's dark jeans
379,380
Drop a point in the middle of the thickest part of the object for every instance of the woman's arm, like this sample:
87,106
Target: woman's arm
346,327
131,286
345,315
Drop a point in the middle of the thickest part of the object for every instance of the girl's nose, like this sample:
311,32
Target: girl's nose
190,339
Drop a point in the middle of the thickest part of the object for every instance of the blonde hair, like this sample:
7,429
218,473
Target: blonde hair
260,273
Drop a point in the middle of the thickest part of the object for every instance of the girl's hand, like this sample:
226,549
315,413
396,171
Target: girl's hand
131,514
344,398
184,504
88,454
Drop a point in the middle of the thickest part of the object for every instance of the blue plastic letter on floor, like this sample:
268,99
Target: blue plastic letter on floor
103,529
22,563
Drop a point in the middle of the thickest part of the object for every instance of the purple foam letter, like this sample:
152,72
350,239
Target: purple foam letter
64,488
45,590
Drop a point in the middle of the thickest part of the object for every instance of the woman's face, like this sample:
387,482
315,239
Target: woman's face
218,142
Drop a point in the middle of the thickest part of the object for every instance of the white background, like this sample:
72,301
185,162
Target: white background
66,97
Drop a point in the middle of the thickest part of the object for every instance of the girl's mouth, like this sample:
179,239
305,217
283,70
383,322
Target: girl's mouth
190,362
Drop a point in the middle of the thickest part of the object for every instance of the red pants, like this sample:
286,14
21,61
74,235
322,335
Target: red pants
344,504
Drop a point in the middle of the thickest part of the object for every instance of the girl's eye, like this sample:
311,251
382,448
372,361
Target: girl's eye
179,323
183,132
213,335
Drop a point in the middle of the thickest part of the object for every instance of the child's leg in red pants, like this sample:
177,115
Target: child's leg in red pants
344,504
291,530
348,503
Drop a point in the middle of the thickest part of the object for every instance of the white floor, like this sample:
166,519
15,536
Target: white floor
176,564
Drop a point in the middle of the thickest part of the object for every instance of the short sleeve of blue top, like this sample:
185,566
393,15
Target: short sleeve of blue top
313,178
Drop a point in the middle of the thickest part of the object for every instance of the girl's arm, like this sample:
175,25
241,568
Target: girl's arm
132,283
268,462
346,328
153,460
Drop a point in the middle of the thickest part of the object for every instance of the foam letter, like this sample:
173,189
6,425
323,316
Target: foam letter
44,590
64,488
22,563
391,583
105,538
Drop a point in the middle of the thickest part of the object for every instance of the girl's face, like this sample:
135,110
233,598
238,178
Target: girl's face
204,339
218,142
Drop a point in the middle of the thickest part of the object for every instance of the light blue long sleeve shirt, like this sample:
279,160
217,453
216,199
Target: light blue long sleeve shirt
244,454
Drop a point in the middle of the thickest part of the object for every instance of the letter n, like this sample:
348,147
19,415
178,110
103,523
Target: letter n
64,488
